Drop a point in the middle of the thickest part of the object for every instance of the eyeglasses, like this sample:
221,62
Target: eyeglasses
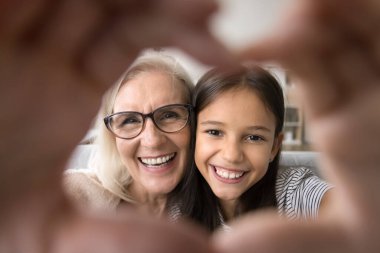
168,119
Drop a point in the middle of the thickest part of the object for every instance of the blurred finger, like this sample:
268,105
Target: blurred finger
195,13
268,234
133,233
204,47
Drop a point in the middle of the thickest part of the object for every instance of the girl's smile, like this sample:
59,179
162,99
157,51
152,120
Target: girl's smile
228,175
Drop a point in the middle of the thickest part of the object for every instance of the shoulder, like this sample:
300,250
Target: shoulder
290,178
81,180
299,191
84,188
301,172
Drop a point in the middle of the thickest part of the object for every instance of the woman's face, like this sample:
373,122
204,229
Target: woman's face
146,155
235,141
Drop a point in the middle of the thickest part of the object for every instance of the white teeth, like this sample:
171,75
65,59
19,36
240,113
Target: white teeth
157,161
227,174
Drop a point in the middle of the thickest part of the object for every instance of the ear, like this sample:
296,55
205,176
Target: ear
277,145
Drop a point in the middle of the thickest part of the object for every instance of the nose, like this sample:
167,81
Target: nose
232,151
151,136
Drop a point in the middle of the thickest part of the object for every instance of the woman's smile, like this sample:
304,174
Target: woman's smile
157,161
159,164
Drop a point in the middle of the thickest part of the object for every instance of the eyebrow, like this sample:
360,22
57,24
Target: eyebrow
217,123
211,122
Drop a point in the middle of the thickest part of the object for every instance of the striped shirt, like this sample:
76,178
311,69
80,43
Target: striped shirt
299,192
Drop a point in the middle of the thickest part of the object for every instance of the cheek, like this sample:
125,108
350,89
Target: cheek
200,159
186,137
259,159
203,151
182,140
262,154
125,149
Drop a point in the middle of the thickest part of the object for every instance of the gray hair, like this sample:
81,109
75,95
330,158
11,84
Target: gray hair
106,160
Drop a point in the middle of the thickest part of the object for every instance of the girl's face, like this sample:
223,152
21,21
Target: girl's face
155,160
235,142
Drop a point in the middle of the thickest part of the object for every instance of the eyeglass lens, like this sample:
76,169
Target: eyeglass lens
168,119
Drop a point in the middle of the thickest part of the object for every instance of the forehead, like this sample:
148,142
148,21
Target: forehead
150,89
238,106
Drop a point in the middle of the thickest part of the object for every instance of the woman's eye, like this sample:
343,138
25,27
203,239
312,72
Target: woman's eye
131,120
254,138
214,132
169,115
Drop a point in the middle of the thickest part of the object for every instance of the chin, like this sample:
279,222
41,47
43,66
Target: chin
228,195
162,190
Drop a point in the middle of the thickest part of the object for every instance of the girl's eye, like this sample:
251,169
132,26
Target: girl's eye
254,138
214,132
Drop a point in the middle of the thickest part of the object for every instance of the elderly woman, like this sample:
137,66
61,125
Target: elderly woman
143,141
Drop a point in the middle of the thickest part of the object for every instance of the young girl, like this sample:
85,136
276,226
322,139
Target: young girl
240,116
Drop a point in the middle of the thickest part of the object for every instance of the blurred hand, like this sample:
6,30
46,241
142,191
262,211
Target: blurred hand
332,49
56,60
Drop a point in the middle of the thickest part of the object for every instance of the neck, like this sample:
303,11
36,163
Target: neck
229,208
149,203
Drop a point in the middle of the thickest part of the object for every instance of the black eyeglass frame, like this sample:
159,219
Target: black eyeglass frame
107,119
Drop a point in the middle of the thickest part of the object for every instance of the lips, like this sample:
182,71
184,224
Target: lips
229,175
157,161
